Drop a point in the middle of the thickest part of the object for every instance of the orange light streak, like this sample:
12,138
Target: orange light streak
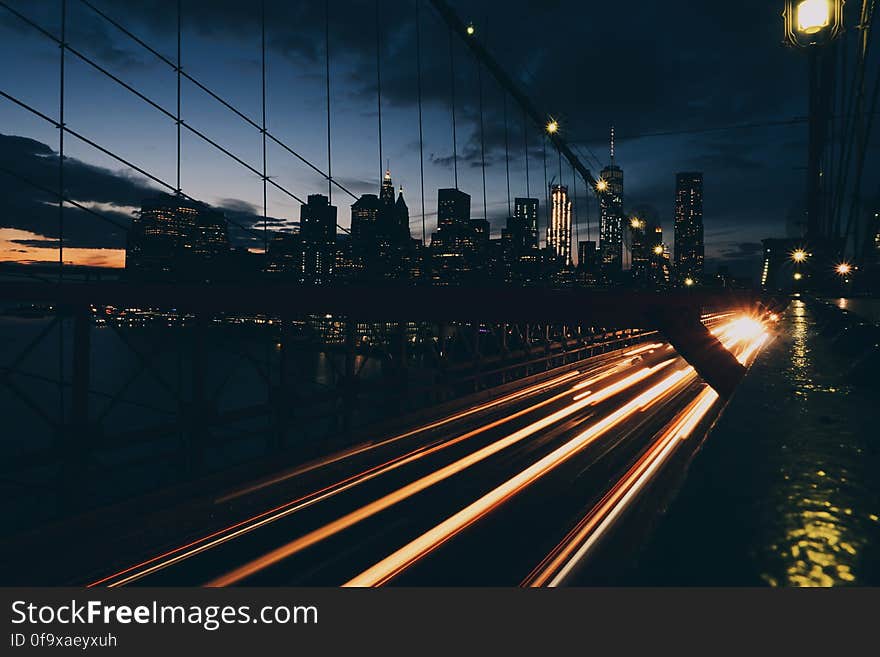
398,561
574,547
641,350
277,513
395,497
623,384
354,451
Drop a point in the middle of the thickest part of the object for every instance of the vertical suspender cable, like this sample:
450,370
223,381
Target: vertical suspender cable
379,82
574,212
263,130
177,71
482,134
452,98
506,150
421,131
268,348
61,209
63,47
327,81
546,187
526,152
559,153
859,91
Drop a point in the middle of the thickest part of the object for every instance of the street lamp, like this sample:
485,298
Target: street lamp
799,255
812,22
552,126
470,29
810,25
843,268
798,276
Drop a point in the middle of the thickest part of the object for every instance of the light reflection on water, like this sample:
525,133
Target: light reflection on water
818,537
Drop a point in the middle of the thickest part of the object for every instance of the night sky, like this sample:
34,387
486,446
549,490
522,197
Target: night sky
679,67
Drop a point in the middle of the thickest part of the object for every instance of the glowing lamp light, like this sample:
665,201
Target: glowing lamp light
689,281
658,250
798,255
798,276
813,16
635,222
552,126
843,268
812,22
602,185
471,30
774,317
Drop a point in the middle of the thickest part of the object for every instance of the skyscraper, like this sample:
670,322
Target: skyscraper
453,208
525,211
587,260
611,216
644,225
639,254
453,245
381,240
689,250
173,237
318,230
559,227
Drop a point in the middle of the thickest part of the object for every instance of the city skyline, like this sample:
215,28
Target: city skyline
736,226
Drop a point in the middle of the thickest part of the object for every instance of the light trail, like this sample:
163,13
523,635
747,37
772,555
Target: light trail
641,350
609,391
559,565
571,551
214,539
398,561
737,331
359,449
733,331
403,493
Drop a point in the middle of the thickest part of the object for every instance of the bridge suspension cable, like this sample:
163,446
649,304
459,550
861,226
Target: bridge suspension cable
457,26
418,4
379,83
452,103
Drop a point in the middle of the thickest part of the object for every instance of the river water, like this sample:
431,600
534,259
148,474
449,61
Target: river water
786,489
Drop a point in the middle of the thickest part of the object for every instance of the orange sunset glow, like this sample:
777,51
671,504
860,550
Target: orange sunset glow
14,247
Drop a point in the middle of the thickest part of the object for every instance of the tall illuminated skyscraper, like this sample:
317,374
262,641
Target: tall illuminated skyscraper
611,216
318,231
174,237
559,228
689,250
525,210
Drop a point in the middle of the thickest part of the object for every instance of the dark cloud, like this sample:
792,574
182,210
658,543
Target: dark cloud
30,195
742,250
28,184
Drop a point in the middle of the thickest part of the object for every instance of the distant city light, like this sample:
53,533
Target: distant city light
798,255
813,16
798,276
843,268
635,222
774,317
471,30
689,281
552,126
658,250
602,185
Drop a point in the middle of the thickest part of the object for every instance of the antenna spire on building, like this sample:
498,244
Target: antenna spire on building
612,145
